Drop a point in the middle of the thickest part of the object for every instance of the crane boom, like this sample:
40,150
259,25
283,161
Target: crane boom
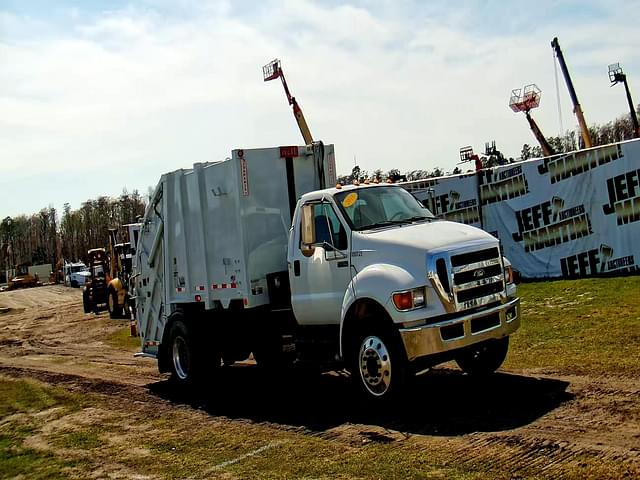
577,109
273,70
547,149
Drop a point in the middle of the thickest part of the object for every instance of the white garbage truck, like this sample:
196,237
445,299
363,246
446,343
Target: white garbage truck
254,256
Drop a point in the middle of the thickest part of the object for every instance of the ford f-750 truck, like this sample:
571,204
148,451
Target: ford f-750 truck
252,255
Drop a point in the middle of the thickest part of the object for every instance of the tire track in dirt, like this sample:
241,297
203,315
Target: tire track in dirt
543,425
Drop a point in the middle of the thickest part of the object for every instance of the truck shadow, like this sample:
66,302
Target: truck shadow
442,402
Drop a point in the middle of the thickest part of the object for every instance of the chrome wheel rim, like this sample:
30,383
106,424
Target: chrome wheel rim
180,356
375,366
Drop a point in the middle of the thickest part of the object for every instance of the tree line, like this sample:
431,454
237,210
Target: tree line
614,131
44,238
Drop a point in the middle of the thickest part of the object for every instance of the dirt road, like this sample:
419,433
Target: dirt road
522,423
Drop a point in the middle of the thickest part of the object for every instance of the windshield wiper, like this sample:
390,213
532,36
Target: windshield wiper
385,223
402,221
416,218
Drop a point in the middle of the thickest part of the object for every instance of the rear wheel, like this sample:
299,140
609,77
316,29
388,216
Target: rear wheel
186,357
483,358
182,354
86,301
379,366
115,310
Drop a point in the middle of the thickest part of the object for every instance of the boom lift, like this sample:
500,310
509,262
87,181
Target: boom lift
273,70
616,75
524,100
577,109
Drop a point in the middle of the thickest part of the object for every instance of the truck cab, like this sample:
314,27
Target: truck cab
402,289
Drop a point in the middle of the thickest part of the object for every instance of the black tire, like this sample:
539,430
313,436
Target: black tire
74,284
378,363
86,301
185,354
115,310
483,358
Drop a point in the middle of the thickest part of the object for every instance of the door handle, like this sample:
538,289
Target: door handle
343,263
296,268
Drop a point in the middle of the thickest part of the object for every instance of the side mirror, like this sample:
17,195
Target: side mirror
307,231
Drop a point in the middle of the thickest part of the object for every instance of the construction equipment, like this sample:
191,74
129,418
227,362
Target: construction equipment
616,75
119,301
273,70
586,137
22,278
524,100
94,294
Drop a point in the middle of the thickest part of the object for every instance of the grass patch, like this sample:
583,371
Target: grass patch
122,340
588,326
86,439
29,398
22,396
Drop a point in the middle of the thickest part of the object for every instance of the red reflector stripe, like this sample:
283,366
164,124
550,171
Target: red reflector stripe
216,286
200,288
180,289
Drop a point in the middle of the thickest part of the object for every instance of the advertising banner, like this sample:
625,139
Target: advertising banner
567,216
452,198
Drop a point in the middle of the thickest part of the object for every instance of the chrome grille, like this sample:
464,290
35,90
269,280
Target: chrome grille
466,278
477,277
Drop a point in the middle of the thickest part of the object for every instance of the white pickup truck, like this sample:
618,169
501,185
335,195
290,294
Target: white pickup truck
75,274
252,255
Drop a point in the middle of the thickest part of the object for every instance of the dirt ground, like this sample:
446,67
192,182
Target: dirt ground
525,421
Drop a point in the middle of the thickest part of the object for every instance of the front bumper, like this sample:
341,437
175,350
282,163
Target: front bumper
459,332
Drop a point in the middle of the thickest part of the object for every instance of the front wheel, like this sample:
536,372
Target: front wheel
483,358
379,367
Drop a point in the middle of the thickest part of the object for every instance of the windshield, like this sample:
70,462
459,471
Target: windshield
373,207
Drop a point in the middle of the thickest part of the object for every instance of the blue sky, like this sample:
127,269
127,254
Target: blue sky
97,96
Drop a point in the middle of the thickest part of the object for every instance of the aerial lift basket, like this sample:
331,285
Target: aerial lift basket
271,70
523,100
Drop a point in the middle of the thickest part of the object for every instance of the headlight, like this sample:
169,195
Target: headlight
410,299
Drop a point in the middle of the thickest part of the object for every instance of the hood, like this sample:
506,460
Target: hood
432,237
409,246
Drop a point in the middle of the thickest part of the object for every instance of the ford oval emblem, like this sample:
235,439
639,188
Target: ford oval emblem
478,273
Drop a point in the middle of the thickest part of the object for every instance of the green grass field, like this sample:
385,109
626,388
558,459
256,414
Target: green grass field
589,326
584,327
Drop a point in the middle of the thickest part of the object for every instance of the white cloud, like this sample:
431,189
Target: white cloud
398,85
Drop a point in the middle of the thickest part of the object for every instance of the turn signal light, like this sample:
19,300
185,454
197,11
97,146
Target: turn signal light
509,273
403,301
409,300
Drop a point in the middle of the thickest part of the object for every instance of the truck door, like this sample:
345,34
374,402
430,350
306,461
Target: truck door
319,265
